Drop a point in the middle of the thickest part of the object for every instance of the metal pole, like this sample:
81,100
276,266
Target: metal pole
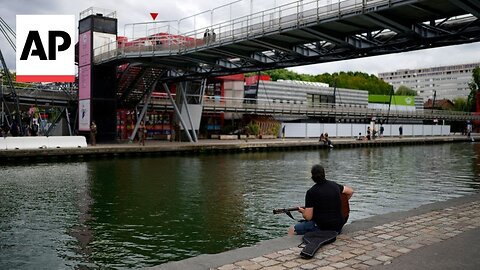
202,90
335,92
144,110
68,122
184,98
389,103
177,111
1,100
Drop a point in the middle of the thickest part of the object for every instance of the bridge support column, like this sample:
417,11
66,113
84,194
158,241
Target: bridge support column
146,103
177,111
187,111
97,84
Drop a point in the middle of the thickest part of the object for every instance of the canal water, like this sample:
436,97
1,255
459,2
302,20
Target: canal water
137,212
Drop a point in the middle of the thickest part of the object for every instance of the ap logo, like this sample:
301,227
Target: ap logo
45,48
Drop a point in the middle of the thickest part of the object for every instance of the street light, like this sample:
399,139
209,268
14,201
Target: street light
434,97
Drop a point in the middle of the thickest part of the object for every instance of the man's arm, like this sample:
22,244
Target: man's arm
307,213
348,191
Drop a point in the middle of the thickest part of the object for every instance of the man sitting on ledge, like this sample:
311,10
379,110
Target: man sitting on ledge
323,207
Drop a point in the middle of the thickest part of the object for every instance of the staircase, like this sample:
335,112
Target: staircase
134,82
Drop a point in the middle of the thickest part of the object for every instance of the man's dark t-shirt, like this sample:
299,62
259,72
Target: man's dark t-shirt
324,197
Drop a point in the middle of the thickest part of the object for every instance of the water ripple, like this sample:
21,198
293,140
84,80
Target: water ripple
131,213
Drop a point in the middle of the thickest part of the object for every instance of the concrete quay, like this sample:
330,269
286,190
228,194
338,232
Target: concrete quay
165,148
443,235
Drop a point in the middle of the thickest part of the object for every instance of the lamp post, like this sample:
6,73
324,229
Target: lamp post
2,113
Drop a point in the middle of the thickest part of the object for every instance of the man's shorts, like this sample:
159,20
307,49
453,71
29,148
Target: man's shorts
303,227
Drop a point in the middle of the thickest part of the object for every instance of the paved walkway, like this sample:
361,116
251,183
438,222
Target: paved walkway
405,240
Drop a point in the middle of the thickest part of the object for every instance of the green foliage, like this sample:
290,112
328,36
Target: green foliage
474,88
227,129
350,80
460,104
275,130
356,80
13,75
284,74
253,129
405,91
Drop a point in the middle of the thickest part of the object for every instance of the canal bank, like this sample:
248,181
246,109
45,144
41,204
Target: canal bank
442,235
164,148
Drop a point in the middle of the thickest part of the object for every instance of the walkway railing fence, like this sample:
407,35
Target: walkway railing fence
167,38
313,130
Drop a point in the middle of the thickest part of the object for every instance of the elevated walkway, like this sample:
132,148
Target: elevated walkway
298,33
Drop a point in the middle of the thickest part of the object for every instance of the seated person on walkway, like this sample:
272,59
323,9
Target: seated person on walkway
323,207
360,137
322,138
327,140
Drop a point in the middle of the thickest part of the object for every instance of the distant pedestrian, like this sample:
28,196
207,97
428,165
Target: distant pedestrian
212,39
381,131
206,36
369,133
14,129
283,133
328,141
141,133
322,138
400,131
34,128
93,133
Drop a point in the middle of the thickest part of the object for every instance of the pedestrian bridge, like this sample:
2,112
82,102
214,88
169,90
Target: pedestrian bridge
298,33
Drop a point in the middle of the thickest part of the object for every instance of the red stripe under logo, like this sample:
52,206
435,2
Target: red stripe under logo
45,78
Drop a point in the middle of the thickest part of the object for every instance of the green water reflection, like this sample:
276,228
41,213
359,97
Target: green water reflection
130,213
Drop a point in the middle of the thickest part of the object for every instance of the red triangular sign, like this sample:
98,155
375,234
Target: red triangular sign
154,15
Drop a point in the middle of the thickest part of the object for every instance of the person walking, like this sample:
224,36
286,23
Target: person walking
141,133
93,133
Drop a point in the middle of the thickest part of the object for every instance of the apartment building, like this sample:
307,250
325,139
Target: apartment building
447,82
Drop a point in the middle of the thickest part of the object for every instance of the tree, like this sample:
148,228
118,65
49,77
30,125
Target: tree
13,75
284,74
349,80
474,86
460,104
405,91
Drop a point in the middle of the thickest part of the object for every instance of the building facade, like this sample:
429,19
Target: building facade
444,82
308,93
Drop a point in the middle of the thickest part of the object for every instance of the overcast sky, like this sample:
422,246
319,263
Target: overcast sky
135,11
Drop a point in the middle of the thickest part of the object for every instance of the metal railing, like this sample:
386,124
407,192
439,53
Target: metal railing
264,106
287,16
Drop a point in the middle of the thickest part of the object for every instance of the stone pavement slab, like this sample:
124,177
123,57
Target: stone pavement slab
404,240
460,252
